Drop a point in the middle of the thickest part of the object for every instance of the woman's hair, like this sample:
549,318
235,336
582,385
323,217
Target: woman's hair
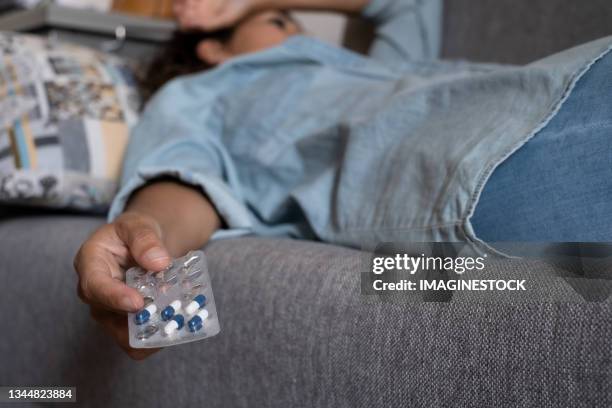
179,57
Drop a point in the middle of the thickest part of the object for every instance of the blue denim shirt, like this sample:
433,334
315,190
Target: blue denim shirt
307,140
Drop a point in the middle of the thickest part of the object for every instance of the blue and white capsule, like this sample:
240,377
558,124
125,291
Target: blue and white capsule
198,302
145,314
171,310
197,322
177,323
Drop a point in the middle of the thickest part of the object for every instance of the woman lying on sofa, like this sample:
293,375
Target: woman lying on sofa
276,134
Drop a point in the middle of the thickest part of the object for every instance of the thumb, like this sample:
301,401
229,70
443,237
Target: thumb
143,237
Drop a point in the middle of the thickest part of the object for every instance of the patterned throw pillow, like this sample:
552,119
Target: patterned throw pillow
65,115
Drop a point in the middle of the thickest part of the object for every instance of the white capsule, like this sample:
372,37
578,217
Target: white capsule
170,310
171,327
145,314
197,322
177,323
192,307
203,314
198,302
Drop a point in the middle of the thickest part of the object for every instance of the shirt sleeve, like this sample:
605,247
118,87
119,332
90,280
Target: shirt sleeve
406,30
180,139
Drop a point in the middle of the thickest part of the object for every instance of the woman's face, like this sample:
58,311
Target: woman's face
263,30
257,32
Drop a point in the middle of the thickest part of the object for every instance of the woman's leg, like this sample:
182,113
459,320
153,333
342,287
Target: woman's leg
558,186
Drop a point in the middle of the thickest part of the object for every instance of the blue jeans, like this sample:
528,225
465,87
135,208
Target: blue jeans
558,186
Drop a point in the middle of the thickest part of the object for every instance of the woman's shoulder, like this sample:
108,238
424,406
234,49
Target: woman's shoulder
297,53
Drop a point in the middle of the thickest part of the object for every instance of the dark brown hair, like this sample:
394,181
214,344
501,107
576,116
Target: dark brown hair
179,57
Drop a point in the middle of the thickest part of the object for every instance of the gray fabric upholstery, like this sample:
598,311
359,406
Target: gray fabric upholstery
509,31
521,31
295,332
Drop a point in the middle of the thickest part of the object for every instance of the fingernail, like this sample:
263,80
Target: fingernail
128,304
155,254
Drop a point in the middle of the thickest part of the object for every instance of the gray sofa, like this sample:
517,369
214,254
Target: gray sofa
295,329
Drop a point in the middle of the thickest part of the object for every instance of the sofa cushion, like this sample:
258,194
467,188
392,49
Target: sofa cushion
521,31
296,332
64,122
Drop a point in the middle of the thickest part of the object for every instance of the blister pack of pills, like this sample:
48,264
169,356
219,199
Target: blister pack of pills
179,304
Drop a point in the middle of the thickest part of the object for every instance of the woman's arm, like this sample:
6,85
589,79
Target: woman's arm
406,30
212,15
341,6
163,220
186,218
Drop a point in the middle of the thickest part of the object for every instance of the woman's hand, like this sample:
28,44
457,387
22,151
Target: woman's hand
210,15
164,219
133,239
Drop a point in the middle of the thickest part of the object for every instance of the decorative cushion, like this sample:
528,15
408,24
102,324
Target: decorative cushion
65,116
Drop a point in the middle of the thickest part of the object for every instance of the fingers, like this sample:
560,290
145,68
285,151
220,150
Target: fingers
98,286
143,237
117,327
99,265
110,293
